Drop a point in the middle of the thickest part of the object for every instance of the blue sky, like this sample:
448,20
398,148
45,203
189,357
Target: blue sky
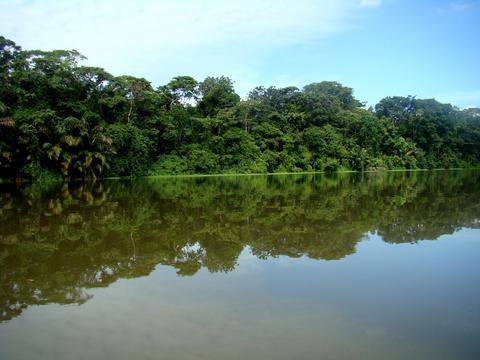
379,47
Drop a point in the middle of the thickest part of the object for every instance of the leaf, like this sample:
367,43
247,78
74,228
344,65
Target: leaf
54,152
64,169
7,122
71,140
7,155
88,161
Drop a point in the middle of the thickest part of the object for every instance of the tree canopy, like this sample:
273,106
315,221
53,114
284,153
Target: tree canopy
59,118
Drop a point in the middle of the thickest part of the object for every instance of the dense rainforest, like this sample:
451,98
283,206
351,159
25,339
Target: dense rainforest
61,119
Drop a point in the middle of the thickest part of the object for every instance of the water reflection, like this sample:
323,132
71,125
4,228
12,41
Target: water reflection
57,242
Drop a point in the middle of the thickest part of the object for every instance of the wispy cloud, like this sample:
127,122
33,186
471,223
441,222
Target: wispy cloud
189,36
370,3
456,7
460,5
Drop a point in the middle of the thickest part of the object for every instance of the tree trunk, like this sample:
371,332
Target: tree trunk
130,111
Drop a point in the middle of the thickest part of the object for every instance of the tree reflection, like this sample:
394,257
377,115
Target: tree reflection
57,242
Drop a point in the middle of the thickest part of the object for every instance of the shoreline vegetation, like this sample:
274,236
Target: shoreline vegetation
220,175
297,173
61,120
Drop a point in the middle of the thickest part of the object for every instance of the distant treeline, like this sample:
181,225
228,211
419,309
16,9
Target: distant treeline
61,119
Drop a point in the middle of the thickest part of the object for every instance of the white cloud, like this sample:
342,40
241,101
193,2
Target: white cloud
370,3
456,7
164,38
460,5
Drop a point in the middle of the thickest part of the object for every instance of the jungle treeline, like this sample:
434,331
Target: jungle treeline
61,119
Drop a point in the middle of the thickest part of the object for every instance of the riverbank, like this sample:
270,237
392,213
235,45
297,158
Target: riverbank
51,180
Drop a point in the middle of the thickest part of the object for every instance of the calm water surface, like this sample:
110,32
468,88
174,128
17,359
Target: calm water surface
372,266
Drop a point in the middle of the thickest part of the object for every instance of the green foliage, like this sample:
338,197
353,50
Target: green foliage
216,93
169,165
342,93
83,122
41,174
181,90
202,161
331,165
132,149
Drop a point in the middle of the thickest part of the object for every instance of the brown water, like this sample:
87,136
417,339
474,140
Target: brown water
372,266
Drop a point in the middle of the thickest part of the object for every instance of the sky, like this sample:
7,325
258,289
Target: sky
380,48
